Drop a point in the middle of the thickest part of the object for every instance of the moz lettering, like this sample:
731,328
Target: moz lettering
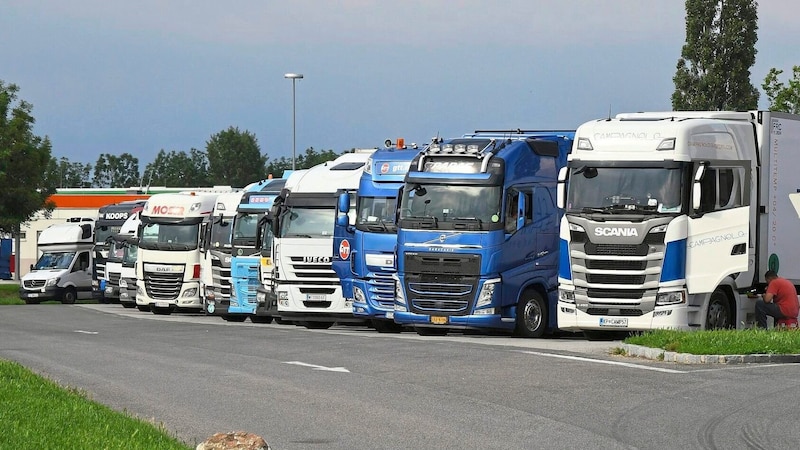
717,239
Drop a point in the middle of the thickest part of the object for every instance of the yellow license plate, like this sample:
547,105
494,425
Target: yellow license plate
439,320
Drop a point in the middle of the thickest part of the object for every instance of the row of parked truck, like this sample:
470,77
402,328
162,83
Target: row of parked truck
636,222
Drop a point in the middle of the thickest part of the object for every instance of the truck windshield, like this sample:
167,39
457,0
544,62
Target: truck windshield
624,190
54,260
245,228
451,204
116,251
169,236
103,232
307,222
376,214
221,232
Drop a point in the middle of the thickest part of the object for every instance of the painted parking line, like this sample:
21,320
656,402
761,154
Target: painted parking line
601,361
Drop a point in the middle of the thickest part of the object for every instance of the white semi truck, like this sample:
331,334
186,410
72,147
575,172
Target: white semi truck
63,271
671,218
168,263
215,250
120,266
308,291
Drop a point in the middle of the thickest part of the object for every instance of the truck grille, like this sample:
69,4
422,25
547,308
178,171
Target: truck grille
221,278
113,278
381,289
443,284
245,281
33,284
304,270
163,286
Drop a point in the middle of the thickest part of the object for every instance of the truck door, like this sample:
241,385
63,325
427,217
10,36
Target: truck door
343,240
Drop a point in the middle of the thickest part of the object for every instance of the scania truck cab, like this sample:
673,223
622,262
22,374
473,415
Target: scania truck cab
477,239
120,270
671,218
363,254
109,221
168,263
307,289
63,271
215,251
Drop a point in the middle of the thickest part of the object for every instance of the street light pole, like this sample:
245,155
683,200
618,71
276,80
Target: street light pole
294,77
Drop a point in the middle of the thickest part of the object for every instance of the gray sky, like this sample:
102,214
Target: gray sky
108,76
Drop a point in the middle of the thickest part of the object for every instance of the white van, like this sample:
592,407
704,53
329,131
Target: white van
64,269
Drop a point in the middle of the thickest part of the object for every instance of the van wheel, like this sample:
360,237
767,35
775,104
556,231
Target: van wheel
531,316
719,311
69,296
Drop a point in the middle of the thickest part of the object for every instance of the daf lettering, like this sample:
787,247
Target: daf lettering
616,231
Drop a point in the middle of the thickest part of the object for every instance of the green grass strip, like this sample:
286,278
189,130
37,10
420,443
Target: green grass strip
36,413
722,342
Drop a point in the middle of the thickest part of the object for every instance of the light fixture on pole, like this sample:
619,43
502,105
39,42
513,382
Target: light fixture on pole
294,77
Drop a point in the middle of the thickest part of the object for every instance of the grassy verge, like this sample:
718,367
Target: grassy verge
9,295
722,342
37,413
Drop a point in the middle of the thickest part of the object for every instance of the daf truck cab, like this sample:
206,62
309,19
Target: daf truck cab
63,271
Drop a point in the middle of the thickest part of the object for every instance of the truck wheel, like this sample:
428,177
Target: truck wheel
386,326
318,325
69,296
531,315
431,331
143,308
261,319
234,317
719,311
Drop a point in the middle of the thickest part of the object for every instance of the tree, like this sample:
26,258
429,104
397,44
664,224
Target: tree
177,169
305,161
116,171
713,72
25,186
782,97
69,175
234,158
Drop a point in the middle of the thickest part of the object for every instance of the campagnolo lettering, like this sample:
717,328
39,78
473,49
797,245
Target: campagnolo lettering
616,231
116,215
716,239
317,259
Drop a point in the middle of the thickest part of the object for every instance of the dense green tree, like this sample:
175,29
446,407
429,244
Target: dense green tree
113,171
783,97
177,169
24,158
68,174
713,72
234,158
306,160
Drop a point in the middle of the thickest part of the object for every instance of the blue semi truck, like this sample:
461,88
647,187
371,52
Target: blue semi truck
363,255
477,238
253,211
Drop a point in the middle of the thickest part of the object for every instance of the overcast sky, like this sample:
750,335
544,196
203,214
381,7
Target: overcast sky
107,76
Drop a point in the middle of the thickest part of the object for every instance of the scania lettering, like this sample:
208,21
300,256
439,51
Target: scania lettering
672,217
168,264
108,223
305,287
363,253
477,234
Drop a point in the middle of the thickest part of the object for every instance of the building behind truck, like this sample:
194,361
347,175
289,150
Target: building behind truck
121,262
63,270
477,238
109,221
306,288
168,263
363,253
672,217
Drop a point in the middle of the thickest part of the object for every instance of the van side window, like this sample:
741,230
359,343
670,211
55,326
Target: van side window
82,263
512,199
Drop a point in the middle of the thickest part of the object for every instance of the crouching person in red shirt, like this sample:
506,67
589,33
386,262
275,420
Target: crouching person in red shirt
780,300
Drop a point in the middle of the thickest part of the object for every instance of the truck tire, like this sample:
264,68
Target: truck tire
234,317
69,296
386,326
531,315
719,311
260,319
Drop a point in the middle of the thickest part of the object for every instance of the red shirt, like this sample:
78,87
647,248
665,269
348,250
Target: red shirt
785,296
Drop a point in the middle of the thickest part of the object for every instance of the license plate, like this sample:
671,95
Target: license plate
613,321
162,305
439,320
315,297
33,294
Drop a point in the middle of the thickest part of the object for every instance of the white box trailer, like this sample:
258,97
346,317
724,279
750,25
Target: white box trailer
672,217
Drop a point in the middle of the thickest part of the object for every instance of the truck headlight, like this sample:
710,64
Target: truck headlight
487,292
261,297
399,298
359,295
191,292
566,296
52,282
670,298
123,283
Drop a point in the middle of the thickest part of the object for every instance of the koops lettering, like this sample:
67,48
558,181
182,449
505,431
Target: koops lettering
164,210
616,231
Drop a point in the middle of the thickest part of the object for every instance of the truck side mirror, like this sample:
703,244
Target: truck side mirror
342,220
697,188
344,203
521,211
561,196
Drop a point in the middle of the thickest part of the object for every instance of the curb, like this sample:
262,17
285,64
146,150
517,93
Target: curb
658,354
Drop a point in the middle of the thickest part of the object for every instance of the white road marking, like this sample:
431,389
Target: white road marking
601,361
316,367
86,332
